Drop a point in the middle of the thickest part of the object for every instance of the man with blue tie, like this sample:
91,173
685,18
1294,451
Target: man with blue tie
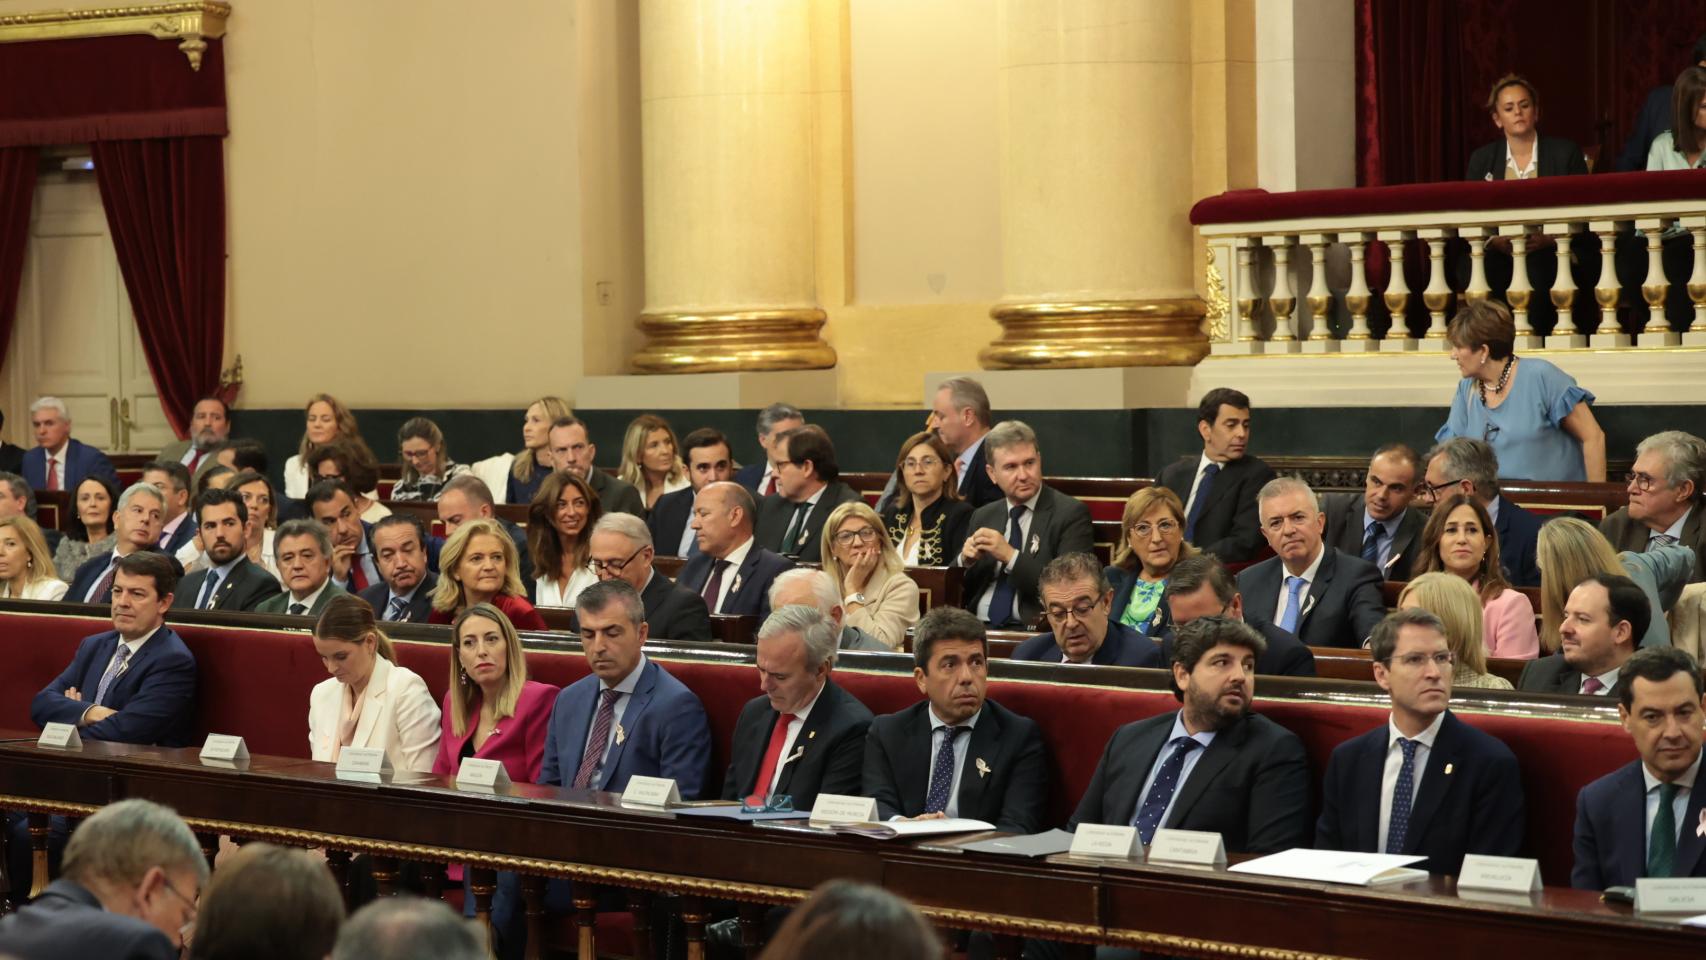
1321,595
1424,783
1219,487
1378,524
404,593
1212,765
1645,819
136,526
230,582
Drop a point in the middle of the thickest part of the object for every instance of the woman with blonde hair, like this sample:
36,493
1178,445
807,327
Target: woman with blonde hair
651,462
559,538
479,564
1152,542
369,700
327,420
26,566
533,464
1571,550
1455,603
1459,539
877,595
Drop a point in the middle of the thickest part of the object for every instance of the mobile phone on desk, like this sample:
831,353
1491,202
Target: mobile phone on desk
1618,895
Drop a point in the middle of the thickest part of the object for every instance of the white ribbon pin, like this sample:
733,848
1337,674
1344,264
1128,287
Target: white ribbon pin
621,734
984,771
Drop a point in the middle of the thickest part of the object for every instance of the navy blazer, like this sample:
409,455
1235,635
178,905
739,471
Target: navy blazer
669,519
378,596
1340,610
93,569
1012,794
749,476
68,921
81,460
1122,647
749,593
244,588
1470,799
1519,533
1228,525
1611,832
976,486
182,535
776,514
1345,513
663,733
154,696
828,754
1286,656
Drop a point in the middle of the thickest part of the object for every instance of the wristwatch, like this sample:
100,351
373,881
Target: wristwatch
855,598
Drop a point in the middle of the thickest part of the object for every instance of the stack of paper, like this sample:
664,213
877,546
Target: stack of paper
913,828
1336,866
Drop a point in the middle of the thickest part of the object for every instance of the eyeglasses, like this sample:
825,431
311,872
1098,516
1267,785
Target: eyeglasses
614,567
187,901
863,535
1643,482
1489,432
1078,611
775,803
331,476
1144,529
924,462
1430,491
1415,661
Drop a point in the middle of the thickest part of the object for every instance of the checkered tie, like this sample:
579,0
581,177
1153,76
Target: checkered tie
1662,540
593,756
1402,792
114,670
1161,791
942,774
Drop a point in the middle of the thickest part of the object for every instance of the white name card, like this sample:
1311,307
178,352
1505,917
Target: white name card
1670,895
1101,840
224,748
840,808
650,792
60,736
363,763
1191,848
1499,874
478,774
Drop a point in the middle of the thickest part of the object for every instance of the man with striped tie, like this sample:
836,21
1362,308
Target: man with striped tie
230,581
1664,487
404,594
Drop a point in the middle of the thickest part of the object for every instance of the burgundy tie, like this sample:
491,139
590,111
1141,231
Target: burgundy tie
769,485
1592,686
52,474
595,743
714,585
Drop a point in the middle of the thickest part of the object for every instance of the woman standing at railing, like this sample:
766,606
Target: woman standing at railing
1535,417
1459,540
1454,602
1571,550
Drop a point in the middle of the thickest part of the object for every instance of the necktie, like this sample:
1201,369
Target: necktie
714,585
1001,601
1592,686
1203,487
103,591
114,669
1288,619
1162,790
595,743
1661,847
942,774
796,530
195,461
1371,543
1662,540
298,609
52,474
357,575
772,757
1402,791
397,610
769,485
209,592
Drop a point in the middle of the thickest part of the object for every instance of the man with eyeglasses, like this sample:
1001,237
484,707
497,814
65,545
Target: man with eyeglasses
808,489
1319,594
1200,586
1664,492
1378,524
1443,789
1077,599
1470,466
621,549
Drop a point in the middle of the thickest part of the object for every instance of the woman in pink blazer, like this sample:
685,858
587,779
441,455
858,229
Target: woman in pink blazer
1459,538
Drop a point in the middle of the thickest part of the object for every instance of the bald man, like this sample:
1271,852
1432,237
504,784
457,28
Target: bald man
732,572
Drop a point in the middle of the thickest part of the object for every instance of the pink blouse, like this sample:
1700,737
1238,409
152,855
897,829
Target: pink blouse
518,742
1507,627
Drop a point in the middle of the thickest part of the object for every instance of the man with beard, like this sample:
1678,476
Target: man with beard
231,582
405,593
1212,765
210,426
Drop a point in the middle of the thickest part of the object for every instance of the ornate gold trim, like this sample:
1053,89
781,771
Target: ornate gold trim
191,23
734,340
1216,301
1097,333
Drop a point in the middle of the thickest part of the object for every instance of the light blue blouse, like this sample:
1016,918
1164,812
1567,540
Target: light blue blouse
1524,430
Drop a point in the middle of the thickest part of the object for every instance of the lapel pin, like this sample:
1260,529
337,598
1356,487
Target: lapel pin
983,768
621,734
1700,831
811,734
1036,543
735,587
1448,769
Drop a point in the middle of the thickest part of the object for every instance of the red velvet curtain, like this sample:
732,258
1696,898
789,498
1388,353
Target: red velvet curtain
17,193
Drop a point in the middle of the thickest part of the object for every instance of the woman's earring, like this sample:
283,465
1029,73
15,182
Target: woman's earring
465,680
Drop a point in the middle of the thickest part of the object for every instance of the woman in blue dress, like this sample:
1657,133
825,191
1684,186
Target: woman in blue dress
1538,421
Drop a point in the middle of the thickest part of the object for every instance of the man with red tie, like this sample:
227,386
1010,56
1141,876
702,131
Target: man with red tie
333,505
773,421
210,426
58,462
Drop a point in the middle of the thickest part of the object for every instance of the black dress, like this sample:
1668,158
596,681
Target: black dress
944,533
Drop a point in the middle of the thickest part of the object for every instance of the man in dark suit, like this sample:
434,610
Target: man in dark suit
1642,819
709,460
231,582
18,500
962,418
58,462
1212,765
804,735
404,593
1664,497
11,455
1605,618
1323,596
956,753
1426,783
808,489
1470,466
1077,599
133,873
1199,586
622,549
467,498
1013,538
210,426
1378,524
178,523
573,451
1219,487
760,478
732,573
136,522
303,550
332,505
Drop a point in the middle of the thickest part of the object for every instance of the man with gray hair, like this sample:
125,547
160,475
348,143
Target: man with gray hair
137,520
132,874
803,735
408,928
621,549
1470,466
1318,593
1013,538
303,550
816,588
962,418
773,421
58,462
1664,492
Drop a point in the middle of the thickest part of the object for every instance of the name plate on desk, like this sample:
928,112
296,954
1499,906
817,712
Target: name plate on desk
1101,840
650,792
1670,895
1191,848
224,748
60,736
840,808
482,774
363,763
1499,874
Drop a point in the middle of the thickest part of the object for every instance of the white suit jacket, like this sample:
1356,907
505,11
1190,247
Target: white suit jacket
399,717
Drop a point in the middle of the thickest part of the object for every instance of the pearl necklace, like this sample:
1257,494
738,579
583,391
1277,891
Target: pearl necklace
1504,378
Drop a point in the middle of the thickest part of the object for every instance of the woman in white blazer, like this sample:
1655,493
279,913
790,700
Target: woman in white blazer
369,701
26,565
877,595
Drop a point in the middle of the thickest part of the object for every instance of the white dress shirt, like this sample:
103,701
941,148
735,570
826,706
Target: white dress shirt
1024,541
1520,173
1679,803
1308,576
962,746
307,601
736,557
1607,680
1205,737
548,594
794,727
625,688
1395,761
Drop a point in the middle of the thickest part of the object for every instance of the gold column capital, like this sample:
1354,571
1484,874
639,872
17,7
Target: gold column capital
1097,333
734,340
192,23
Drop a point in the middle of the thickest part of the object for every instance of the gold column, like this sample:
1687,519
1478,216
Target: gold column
726,121
1096,181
